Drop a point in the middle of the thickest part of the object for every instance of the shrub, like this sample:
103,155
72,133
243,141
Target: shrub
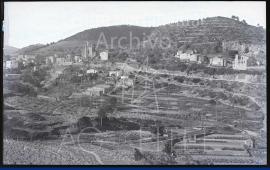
84,122
179,79
213,102
196,80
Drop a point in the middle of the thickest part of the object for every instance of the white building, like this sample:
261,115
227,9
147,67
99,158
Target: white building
104,55
125,81
25,57
217,61
60,61
124,77
50,60
11,64
77,59
91,71
240,62
188,56
97,90
116,73
193,57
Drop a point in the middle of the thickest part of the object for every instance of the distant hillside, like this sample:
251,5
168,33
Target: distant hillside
207,34
9,50
111,32
30,49
75,43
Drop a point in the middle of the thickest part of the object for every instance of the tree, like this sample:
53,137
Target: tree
244,22
108,107
246,50
158,130
235,17
204,51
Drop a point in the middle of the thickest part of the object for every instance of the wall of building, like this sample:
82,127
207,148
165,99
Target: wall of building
216,61
104,55
240,63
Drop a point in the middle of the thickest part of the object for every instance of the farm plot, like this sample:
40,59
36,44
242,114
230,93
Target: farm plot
171,103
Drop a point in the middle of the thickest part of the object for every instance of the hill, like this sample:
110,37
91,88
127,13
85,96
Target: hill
74,43
208,33
204,35
9,50
30,49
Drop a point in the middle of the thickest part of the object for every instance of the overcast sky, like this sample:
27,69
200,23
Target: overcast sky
27,23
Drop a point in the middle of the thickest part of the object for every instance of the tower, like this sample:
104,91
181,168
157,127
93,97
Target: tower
87,51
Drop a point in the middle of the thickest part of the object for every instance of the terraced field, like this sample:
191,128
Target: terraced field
166,103
171,104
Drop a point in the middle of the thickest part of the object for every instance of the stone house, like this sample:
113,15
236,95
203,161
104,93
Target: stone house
217,60
11,64
240,62
104,55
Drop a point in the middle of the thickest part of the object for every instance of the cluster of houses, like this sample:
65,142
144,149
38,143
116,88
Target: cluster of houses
123,81
237,59
88,52
98,90
13,62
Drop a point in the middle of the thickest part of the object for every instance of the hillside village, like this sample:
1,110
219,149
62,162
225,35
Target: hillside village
201,102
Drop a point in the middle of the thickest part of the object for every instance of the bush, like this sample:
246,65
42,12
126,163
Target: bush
179,79
84,122
213,102
158,129
196,80
183,67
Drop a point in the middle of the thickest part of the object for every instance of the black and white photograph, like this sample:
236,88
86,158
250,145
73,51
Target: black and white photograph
134,83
